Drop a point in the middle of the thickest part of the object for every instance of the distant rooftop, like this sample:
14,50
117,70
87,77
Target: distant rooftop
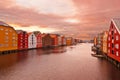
3,23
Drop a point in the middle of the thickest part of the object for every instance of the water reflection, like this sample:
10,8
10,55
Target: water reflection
51,50
22,55
8,60
60,63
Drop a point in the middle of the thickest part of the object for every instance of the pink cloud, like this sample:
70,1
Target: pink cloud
93,16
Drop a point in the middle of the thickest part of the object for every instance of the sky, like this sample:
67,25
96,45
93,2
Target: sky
81,19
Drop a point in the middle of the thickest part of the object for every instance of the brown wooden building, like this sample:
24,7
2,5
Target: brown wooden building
47,40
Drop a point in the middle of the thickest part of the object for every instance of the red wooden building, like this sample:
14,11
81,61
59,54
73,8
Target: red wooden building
114,40
22,40
39,38
63,41
55,39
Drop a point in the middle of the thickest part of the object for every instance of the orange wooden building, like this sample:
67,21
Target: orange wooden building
8,37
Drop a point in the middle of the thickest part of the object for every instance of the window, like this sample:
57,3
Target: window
6,30
109,33
115,31
117,54
112,32
112,40
109,45
6,33
109,38
112,37
6,45
15,44
0,45
112,26
2,29
117,46
112,52
13,37
112,45
117,38
7,37
14,34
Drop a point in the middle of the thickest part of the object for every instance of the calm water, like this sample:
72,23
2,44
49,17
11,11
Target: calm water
64,63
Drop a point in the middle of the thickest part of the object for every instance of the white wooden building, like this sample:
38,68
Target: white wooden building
32,41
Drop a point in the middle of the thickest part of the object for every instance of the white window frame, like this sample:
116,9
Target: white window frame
109,45
109,32
117,53
115,31
117,46
109,38
117,38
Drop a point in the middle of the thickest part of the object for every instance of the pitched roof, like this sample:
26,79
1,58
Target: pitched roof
53,35
37,33
20,31
30,33
116,22
3,23
43,35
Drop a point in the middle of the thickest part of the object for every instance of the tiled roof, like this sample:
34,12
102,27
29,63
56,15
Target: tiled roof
3,23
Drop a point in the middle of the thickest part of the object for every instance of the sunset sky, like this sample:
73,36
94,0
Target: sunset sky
78,18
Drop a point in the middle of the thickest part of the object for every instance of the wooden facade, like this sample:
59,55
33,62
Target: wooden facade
32,41
104,42
69,41
63,41
55,39
114,40
8,37
59,40
39,38
22,40
47,40
95,41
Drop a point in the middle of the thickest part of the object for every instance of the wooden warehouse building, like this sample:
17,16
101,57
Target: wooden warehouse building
8,37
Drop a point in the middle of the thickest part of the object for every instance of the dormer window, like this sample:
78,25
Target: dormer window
112,32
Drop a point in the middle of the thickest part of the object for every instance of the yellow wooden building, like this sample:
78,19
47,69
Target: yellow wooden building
69,41
8,37
104,42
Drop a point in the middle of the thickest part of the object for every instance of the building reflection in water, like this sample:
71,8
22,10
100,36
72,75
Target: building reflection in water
8,60
11,59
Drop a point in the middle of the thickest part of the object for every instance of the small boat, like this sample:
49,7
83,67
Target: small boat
97,55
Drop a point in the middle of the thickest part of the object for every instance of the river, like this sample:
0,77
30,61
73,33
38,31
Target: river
62,63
